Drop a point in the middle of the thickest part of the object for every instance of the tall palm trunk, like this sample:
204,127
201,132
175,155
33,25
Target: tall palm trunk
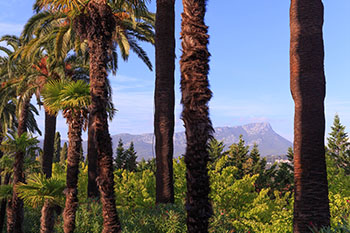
99,35
311,204
49,140
15,210
195,97
75,121
164,99
47,219
92,161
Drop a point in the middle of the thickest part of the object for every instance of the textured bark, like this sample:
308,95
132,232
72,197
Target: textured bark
92,162
15,210
49,140
164,99
10,216
100,27
195,97
73,158
47,220
311,204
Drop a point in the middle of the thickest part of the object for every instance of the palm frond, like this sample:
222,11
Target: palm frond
31,123
51,96
64,94
124,46
39,188
60,5
140,53
24,143
62,41
76,95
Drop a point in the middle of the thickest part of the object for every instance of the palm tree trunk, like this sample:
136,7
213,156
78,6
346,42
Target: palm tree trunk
47,219
311,204
10,215
73,159
164,99
49,140
15,213
99,35
195,97
92,162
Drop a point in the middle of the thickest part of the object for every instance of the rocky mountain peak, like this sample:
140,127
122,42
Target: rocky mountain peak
257,128
269,142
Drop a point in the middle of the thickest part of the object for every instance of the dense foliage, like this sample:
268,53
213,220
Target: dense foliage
255,198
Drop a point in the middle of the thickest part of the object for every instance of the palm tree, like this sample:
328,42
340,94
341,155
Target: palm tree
18,72
7,116
40,47
195,96
97,21
24,145
73,98
128,30
40,190
8,122
311,204
164,99
32,83
48,67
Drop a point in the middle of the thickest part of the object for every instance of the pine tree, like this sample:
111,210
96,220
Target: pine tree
119,160
253,164
57,148
284,178
238,155
290,156
216,150
125,159
131,158
63,154
339,146
338,141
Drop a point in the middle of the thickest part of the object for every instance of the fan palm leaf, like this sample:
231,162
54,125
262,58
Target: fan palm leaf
38,188
24,143
65,94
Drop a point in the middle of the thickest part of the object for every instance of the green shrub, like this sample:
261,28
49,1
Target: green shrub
168,218
88,219
31,223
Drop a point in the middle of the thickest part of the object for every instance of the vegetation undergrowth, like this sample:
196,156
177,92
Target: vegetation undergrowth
247,194
238,206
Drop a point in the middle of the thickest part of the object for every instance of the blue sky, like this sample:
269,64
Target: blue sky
249,68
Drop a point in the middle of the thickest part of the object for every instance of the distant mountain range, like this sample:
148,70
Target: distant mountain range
269,142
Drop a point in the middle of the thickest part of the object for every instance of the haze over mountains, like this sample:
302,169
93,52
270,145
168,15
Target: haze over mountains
270,143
